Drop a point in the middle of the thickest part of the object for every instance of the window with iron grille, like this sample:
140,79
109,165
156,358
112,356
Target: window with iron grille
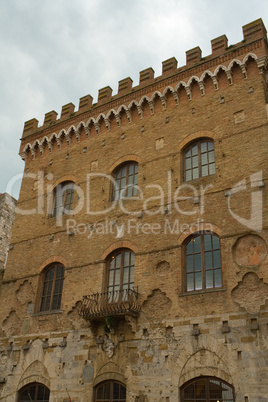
126,181
52,288
202,260
199,160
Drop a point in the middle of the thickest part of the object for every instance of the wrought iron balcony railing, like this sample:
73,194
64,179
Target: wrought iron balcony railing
119,302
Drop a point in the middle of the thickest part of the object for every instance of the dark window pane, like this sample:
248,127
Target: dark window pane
198,281
210,146
195,161
189,263
188,164
218,279
203,147
195,173
189,247
216,259
207,242
215,242
197,244
208,260
194,150
190,282
204,171
209,279
212,168
197,262
188,175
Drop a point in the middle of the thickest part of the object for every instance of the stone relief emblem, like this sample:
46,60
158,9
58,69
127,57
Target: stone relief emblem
250,251
108,347
251,293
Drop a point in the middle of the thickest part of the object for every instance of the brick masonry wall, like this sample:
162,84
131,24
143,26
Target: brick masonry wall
177,336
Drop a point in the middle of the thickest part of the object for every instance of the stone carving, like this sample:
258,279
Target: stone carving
251,293
108,347
250,251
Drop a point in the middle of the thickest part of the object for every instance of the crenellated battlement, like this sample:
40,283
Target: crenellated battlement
173,80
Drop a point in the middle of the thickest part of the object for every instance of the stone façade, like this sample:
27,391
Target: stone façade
177,335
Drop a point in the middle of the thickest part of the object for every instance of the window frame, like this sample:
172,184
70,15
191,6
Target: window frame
130,283
47,295
188,148
133,186
207,380
111,385
30,385
60,193
187,272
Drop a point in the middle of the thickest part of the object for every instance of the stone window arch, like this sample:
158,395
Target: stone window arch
202,262
110,391
51,287
34,392
207,389
198,159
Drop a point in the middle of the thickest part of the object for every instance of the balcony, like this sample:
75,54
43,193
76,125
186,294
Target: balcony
116,303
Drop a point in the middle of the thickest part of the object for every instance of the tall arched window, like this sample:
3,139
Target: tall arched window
126,181
62,199
110,391
34,392
120,271
207,389
202,262
52,283
199,160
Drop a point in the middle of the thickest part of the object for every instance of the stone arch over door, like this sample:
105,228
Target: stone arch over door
204,362
109,372
36,367
35,373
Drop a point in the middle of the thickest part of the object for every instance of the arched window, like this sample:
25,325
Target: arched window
34,392
120,272
207,389
52,284
62,199
110,391
199,160
126,181
202,262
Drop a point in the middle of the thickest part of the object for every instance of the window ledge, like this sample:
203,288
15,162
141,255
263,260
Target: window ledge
41,313
201,292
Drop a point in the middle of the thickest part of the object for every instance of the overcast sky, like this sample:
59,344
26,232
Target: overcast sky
53,52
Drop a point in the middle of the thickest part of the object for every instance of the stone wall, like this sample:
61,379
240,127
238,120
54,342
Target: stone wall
7,215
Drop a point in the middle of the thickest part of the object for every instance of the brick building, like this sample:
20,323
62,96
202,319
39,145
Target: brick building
138,269
7,215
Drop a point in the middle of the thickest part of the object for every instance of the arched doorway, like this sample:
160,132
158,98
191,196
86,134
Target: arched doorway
110,391
207,389
34,392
